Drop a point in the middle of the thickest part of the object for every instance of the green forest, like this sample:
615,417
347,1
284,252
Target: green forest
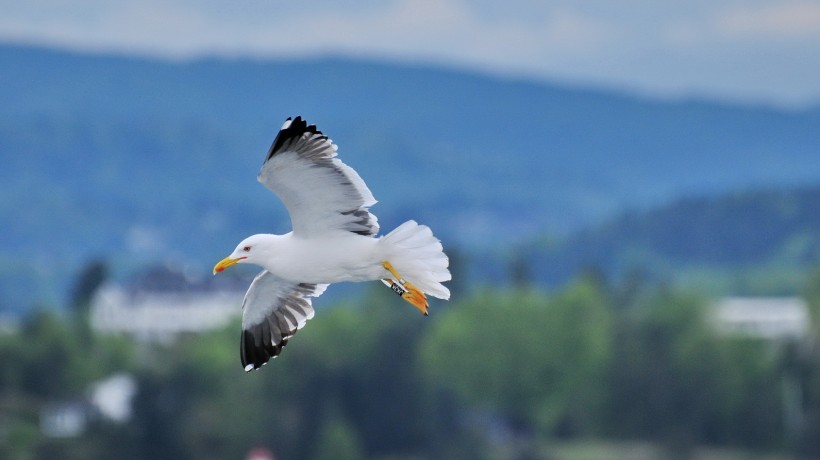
494,374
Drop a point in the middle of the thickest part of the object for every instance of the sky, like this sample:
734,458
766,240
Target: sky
750,51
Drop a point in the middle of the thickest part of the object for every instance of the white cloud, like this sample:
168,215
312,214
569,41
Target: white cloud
443,29
669,48
447,29
571,31
684,33
781,21
151,27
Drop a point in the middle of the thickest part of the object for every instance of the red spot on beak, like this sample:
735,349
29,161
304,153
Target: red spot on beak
225,263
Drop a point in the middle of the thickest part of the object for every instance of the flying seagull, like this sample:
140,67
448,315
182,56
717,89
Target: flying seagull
334,239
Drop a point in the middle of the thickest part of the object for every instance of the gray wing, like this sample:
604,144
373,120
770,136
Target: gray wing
322,194
273,310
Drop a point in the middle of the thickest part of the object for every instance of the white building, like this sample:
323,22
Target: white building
162,315
763,317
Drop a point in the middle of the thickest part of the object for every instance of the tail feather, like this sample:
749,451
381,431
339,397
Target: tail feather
419,257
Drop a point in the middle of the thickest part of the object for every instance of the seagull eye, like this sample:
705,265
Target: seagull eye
247,249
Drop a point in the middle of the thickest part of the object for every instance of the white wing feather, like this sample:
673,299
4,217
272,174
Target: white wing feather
321,193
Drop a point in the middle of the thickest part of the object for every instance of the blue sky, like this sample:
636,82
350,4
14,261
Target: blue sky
754,50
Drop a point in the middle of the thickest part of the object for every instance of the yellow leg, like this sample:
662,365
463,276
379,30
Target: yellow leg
407,291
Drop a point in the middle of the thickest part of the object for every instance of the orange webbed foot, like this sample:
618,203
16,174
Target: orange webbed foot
407,291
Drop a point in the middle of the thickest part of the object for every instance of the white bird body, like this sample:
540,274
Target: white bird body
334,239
339,257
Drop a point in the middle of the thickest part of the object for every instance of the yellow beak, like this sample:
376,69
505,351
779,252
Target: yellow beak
225,263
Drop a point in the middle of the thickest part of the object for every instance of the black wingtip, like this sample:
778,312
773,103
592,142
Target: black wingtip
253,356
293,128
256,348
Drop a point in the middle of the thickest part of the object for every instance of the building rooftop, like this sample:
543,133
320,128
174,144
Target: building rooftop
162,315
763,317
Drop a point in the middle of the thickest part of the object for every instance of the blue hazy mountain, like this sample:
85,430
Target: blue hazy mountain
140,160
760,241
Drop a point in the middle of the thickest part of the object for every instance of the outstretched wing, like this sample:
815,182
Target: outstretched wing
322,194
273,310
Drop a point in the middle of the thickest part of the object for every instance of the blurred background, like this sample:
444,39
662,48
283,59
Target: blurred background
629,193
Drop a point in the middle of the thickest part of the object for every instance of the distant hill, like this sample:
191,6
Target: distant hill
737,240
143,161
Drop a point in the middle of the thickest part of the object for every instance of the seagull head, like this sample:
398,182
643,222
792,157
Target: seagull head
252,250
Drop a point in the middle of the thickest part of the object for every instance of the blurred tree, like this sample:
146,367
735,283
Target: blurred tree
162,411
808,375
195,401
20,437
812,296
52,359
376,379
582,329
627,293
520,269
675,381
91,277
512,353
653,394
363,361
42,363
337,439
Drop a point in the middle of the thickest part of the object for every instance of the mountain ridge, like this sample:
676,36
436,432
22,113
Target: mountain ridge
734,237
139,160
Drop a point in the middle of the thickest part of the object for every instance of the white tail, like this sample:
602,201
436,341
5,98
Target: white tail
419,257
